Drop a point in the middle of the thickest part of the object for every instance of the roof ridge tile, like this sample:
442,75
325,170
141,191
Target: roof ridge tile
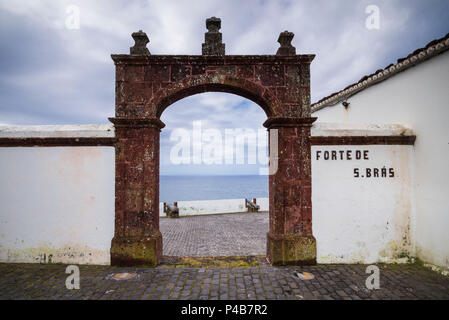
432,49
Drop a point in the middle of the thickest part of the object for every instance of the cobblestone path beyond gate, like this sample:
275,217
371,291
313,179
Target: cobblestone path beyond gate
234,234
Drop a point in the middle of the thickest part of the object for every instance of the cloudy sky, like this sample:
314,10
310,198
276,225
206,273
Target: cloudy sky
50,74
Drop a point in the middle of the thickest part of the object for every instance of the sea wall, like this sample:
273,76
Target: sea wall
201,207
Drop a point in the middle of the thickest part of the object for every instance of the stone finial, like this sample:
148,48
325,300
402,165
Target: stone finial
140,45
213,45
286,48
213,24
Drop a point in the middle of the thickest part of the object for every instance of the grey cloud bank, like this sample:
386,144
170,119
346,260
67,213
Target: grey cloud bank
52,75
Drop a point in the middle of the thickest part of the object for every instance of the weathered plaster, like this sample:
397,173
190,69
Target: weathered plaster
47,253
56,201
416,98
363,220
69,192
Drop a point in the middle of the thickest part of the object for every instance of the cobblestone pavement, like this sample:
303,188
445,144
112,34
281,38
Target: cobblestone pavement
233,234
35,281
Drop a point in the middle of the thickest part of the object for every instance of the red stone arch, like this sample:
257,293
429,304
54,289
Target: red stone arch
147,84
212,83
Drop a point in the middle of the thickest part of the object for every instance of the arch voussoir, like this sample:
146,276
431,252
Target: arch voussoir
212,82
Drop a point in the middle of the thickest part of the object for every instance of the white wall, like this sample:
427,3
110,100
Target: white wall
57,204
201,207
419,99
58,131
362,219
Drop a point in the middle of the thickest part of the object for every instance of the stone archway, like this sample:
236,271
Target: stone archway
147,84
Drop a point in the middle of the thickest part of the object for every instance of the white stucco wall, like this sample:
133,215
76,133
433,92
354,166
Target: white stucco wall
417,98
362,219
56,204
58,131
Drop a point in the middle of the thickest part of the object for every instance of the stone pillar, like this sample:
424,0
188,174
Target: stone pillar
290,240
137,239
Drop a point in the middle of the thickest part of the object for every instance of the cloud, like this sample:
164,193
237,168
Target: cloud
53,75
218,111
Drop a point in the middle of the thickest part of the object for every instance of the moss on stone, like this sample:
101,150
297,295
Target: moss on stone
213,262
292,250
136,252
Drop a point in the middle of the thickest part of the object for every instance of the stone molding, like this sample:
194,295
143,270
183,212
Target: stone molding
137,122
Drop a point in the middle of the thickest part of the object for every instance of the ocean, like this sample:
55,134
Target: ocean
185,188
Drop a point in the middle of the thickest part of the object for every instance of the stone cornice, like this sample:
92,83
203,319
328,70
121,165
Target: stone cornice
109,141
57,142
218,60
288,122
137,122
361,140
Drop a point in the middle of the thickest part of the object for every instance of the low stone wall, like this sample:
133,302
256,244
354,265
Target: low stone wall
204,207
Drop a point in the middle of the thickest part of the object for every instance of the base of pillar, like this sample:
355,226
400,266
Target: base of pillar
136,251
291,250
